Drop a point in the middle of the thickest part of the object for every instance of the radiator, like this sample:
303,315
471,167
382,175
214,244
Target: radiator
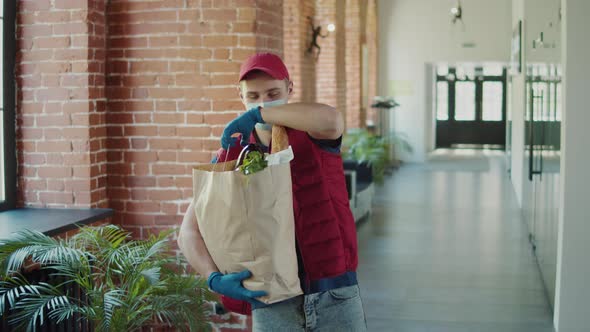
73,324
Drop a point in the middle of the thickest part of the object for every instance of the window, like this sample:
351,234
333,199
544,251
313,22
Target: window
465,72
442,101
464,101
467,92
558,106
470,105
544,103
495,69
7,107
442,70
492,101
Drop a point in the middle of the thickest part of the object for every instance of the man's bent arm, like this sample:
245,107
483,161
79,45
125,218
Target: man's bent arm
192,245
319,120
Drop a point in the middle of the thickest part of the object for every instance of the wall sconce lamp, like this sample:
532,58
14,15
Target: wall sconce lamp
457,13
316,32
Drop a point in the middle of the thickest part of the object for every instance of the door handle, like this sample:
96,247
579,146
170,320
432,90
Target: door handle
543,124
531,136
532,108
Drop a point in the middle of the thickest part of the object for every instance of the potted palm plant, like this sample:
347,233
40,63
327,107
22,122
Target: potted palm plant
101,279
364,147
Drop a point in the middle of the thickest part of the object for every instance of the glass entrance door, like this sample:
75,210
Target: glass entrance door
470,106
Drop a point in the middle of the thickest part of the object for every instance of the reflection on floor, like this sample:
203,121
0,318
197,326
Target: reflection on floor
446,250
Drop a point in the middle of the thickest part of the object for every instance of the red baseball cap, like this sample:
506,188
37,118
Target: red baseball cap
267,62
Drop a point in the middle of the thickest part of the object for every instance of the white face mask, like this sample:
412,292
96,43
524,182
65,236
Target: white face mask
266,104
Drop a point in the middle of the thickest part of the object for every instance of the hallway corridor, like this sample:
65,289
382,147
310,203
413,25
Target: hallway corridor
446,250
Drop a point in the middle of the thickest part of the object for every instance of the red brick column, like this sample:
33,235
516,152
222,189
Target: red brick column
297,36
60,104
330,68
97,106
353,64
268,23
371,40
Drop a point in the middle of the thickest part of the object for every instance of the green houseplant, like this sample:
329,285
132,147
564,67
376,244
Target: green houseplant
126,283
362,146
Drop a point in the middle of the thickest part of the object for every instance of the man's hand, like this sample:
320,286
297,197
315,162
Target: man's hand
243,124
231,285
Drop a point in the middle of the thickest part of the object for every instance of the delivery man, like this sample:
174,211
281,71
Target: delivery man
324,226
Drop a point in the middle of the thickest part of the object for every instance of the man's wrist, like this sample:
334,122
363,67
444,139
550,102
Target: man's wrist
258,114
212,277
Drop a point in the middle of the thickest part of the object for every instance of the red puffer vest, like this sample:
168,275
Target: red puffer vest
324,226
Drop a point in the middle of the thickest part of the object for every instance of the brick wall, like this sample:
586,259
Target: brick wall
297,36
60,104
341,49
116,102
308,63
116,116
97,105
269,26
371,40
170,72
157,100
353,64
171,88
330,67
326,61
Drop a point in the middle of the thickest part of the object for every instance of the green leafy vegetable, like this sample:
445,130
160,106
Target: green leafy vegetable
254,162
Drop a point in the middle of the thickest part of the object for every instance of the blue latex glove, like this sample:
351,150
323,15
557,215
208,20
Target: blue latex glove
243,124
231,285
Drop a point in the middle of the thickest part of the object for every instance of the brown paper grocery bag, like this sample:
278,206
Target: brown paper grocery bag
249,223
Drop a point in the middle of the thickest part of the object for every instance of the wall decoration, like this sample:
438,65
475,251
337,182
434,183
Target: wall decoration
515,50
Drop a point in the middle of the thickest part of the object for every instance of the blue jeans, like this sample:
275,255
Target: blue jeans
334,310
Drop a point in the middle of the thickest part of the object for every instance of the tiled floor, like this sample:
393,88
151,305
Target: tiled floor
446,250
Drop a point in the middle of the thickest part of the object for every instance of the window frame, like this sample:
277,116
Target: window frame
452,70
9,112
